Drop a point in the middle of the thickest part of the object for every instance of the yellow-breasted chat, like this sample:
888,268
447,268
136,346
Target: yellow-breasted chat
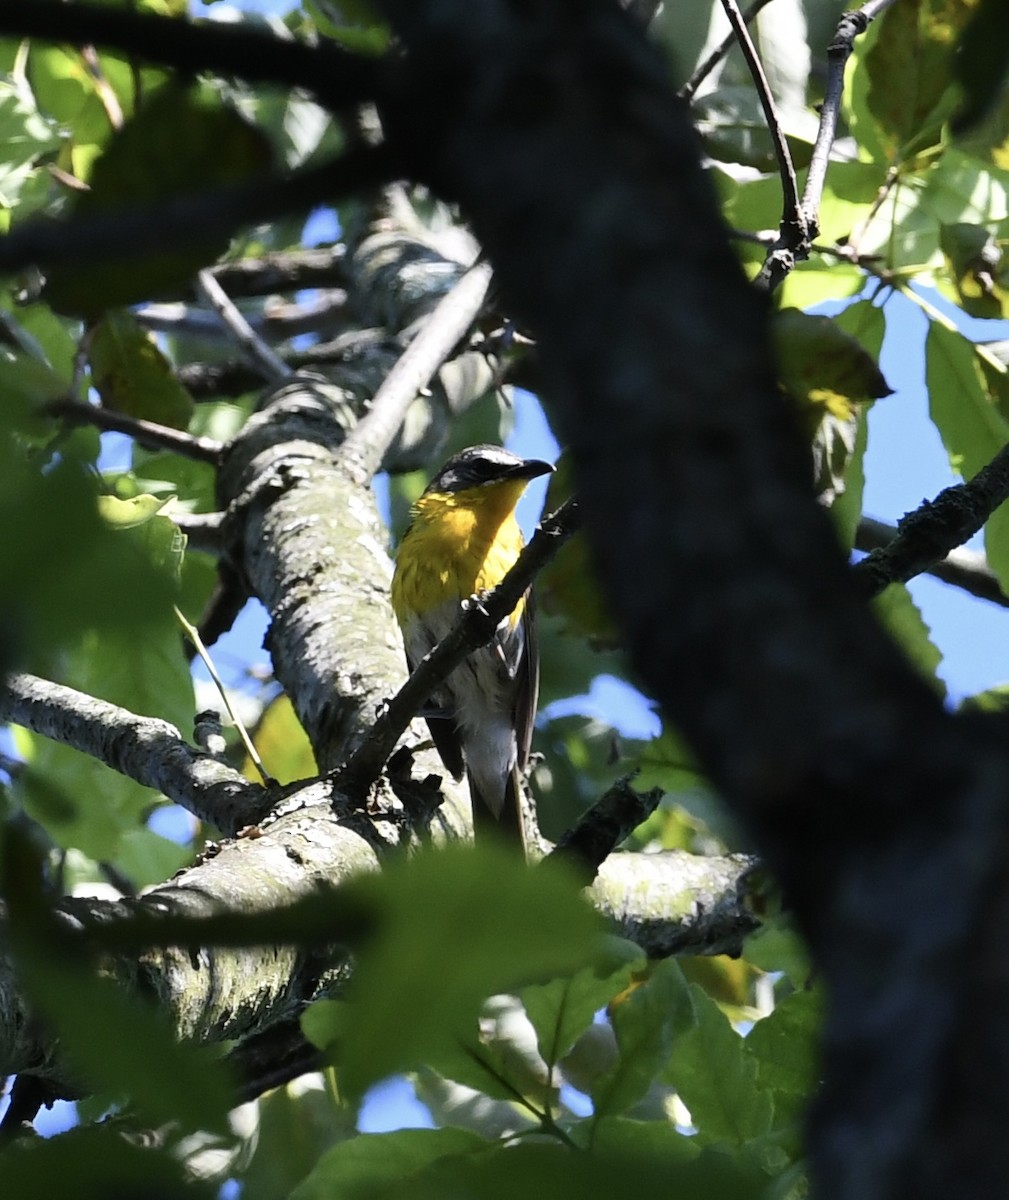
462,540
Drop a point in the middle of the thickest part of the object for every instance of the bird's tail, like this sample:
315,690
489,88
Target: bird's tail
507,826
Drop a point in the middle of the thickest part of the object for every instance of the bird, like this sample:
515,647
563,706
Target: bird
462,540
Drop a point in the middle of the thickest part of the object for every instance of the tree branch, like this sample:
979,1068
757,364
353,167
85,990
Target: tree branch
926,536
474,629
962,568
144,749
448,323
598,832
701,73
269,365
795,240
284,271
674,903
278,322
147,433
793,224
851,25
205,381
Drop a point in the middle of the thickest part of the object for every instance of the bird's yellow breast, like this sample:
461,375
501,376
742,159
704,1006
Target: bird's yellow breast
459,543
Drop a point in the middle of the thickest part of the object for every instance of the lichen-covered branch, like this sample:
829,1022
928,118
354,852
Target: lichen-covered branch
145,749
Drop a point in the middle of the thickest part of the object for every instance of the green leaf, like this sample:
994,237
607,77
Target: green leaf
549,1170
822,366
131,374
785,1046
139,665
974,263
101,1029
904,622
960,402
972,428
561,1010
830,374
866,323
993,700
909,72
184,141
282,743
981,62
147,858
371,1163
100,1025
297,1125
97,1163
715,1076
91,575
454,927
645,1020
776,946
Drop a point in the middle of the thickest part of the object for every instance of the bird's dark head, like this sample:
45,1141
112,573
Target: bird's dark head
479,466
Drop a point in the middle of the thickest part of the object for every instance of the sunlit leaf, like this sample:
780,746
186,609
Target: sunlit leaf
131,374
647,1020
715,1076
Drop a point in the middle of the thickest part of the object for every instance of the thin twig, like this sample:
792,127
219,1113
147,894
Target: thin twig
851,25
194,636
204,531
962,568
204,381
796,236
147,433
455,312
284,271
701,73
927,535
475,628
791,216
278,322
270,365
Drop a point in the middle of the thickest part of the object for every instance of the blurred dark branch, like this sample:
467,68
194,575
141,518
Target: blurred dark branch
335,77
284,271
926,536
272,1058
208,381
125,233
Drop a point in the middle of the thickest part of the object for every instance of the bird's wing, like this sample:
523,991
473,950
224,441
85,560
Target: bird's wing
527,683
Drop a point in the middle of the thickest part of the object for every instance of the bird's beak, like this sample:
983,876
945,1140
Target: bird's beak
531,468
